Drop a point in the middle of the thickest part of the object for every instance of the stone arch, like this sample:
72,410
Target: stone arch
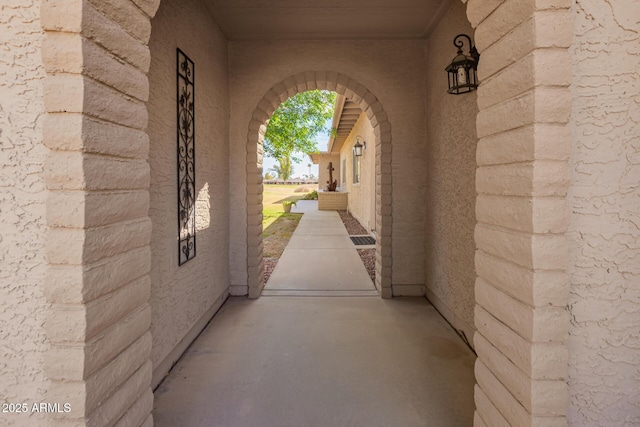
356,92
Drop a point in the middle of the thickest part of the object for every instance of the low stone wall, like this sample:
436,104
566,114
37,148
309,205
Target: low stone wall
332,201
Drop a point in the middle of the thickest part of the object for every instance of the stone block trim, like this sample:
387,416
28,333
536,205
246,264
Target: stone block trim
64,50
542,29
527,214
524,144
540,324
115,39
96,208
80,94
98,284
96,136
514,413
535,288
540,361
331,201
540,396
368,102
83,283
486,413
67,170
128,15
87,321
522,286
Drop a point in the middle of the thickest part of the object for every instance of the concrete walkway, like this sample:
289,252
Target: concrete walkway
320,259
310,353
321,362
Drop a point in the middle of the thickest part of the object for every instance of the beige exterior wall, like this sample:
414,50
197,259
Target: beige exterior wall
361,195
22,212
255,67
450,163
604,229
184,297
97,349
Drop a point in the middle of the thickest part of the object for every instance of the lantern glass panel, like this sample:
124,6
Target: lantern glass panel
462,76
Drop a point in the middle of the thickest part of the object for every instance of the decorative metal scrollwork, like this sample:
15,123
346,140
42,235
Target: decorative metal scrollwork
186,159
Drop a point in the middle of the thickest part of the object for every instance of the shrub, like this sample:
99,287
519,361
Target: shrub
311,196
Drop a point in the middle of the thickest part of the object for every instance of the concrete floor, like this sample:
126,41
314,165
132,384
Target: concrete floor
321,348
323,361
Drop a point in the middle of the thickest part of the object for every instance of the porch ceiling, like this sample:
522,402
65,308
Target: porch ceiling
344,118
326,19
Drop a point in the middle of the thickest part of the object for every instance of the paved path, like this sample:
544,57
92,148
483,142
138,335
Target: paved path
320,259
310,353
321,362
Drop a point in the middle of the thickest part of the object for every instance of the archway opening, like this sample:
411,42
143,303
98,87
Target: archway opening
357,94
319,214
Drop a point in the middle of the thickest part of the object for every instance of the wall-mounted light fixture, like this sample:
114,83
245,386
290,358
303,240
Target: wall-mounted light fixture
358,147
462,72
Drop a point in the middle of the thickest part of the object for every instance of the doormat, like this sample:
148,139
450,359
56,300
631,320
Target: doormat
363,240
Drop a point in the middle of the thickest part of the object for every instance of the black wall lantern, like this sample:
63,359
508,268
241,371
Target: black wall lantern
462,72
357,148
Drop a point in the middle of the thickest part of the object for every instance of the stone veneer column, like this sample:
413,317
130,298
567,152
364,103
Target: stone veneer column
522,179
96,58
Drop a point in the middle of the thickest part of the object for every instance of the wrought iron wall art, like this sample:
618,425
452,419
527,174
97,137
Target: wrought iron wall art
186,158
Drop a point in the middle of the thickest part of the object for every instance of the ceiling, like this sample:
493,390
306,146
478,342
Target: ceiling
326,19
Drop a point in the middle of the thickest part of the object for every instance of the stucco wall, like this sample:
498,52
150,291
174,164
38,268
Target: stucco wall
181,296
255,67
450,163
362,195
604,231
22,211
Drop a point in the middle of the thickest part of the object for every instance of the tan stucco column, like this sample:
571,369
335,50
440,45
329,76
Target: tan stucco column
522,180
96,58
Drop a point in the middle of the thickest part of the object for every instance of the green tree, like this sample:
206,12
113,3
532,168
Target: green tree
268,176
294,125
283,168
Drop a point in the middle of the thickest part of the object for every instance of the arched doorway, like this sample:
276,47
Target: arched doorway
79,89
371,106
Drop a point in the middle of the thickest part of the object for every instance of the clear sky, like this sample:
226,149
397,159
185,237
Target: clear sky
300,169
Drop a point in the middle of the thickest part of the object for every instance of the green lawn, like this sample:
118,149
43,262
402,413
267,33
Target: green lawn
272,197
277,226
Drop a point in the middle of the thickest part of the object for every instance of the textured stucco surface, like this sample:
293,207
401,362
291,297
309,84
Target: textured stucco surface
362,195
22,210
180,296
450,163
393,72
604,231
603,199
